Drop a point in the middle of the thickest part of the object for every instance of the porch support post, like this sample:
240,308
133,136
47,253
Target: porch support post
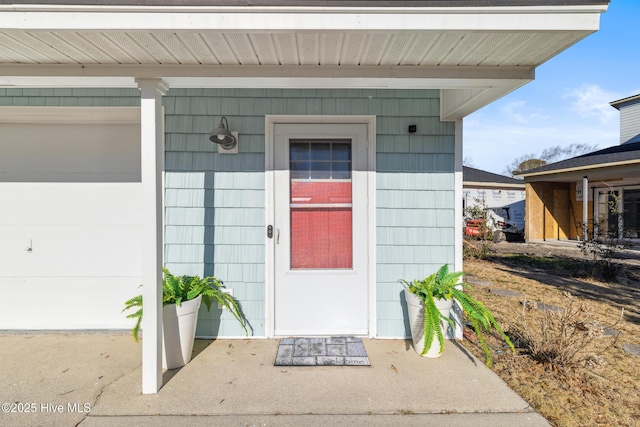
458,215
152,154
585,208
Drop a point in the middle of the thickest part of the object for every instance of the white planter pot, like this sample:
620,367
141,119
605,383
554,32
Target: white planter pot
178,332
415,308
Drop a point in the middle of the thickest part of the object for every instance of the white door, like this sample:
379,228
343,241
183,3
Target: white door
321,229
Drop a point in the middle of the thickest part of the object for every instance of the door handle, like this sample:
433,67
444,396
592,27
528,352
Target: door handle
277,236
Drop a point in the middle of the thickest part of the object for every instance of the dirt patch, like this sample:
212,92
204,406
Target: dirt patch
562,249
607,394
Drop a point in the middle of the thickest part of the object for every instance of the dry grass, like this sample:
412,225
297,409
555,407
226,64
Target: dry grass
591,396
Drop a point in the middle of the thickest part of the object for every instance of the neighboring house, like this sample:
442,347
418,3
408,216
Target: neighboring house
490,190
556,204
348,171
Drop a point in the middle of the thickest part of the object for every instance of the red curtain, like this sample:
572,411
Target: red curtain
321,237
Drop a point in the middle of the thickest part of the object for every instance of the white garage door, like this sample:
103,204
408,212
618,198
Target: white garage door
70,218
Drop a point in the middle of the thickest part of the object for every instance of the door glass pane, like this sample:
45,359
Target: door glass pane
608,217
320,170
321,204
632,214
299,152
321,151
341,152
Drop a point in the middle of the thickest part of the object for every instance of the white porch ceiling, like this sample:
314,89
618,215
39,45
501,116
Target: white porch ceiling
433,48
475,55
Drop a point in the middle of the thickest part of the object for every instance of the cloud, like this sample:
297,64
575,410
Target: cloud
592,101
511,128
514,111
493,145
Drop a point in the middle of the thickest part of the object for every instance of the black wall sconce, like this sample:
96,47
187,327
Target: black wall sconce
413,128
223,136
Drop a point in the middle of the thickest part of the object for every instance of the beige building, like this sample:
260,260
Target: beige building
557,206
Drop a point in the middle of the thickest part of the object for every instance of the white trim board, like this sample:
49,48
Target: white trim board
547,18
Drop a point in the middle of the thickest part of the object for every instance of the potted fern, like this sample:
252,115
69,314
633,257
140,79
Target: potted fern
181,299
429,303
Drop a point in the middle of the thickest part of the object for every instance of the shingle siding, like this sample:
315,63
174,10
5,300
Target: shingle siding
215,204
415,219
415,184
76,97
629,122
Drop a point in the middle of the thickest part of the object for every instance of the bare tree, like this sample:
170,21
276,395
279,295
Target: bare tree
527,164
467,161
548,155
558,153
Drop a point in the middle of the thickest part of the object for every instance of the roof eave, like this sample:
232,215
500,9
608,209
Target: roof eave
492,184
616,104
579,168
581,18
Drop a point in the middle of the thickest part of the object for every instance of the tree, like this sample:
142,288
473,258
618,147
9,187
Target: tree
557,153
548,155
467,161
528,164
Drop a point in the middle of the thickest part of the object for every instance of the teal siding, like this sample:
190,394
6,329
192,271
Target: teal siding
231,216
76,97
215,204
414,213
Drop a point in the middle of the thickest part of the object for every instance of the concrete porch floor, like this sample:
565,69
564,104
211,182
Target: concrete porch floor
234,382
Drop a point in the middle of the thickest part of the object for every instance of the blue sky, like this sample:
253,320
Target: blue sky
568,102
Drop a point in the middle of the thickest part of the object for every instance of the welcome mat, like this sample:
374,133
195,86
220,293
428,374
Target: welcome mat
332,351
